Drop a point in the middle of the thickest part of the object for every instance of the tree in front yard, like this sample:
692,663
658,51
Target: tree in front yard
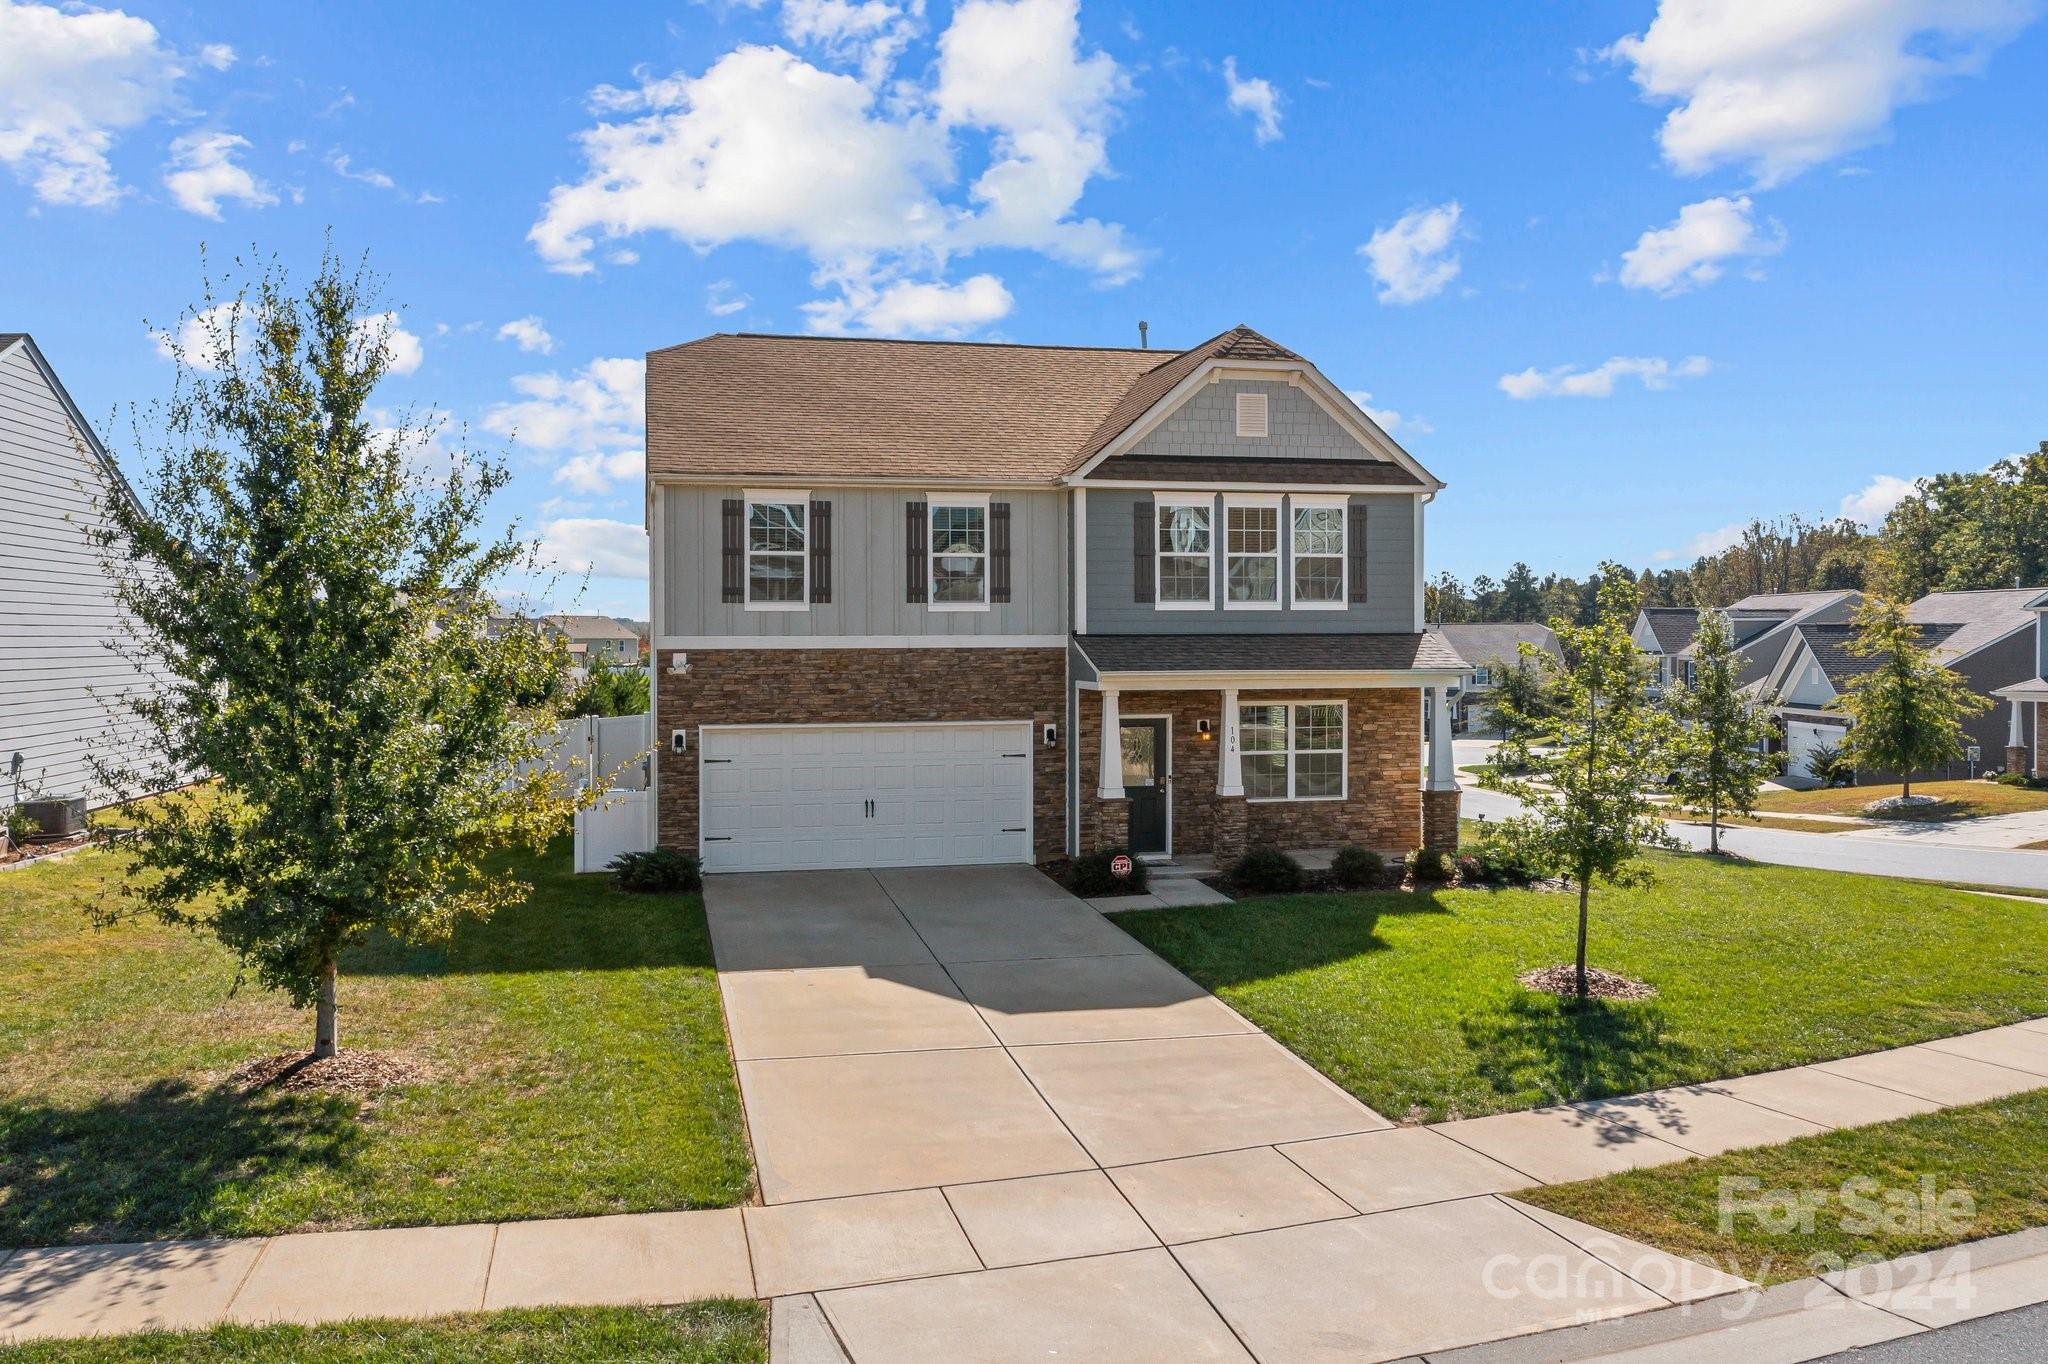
1587,812
1523,689
1908,714
319,606
1717,753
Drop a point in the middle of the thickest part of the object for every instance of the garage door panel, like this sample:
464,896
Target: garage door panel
798,797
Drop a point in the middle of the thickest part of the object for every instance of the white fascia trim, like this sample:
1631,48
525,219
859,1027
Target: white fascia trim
1268,681
979,483
1332,489
797,642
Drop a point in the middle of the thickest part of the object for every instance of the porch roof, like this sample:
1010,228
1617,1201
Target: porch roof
1383,654
2033,689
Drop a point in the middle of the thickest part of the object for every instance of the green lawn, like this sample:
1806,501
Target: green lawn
1958,800
575,1053
1994,1152
1410,1001
699,1333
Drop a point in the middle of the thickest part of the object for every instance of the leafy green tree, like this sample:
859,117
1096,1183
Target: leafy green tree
1909,712
1587,812
319,607
611,690
1520,597
1524,691
1717,752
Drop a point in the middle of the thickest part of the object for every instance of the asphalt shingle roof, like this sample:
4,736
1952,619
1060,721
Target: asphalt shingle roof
1479,642
1980,618
1269,653
1830,645
1674,626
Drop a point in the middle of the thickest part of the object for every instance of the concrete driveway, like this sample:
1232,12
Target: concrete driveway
990,1126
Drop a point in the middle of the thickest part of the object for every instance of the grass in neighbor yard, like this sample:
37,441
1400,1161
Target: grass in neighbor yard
1996,1151
1958,800
1788,823
718,1332
1410,1001
574,1048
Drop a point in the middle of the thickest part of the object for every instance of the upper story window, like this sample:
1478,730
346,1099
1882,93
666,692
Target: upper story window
778,544
1482,677
1251,415
1251,564
1318,552
959,557
1186,554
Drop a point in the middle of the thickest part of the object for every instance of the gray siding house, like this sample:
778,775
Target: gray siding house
59,671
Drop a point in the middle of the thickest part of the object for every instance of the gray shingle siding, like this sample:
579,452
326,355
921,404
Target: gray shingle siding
1206,426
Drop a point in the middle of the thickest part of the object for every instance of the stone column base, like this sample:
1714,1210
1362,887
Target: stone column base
1112,826
2016,759
1233,830
1440,819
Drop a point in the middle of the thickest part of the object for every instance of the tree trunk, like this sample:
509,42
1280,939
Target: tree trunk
1905,790
1584,890
325,1038
1714,828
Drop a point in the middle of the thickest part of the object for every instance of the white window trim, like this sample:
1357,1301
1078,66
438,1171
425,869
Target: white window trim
1343,748
774,497
1263,404
1161,502
1278,556
932,503
1343,556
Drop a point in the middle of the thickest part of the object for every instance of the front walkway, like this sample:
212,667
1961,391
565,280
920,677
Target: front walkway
992,1127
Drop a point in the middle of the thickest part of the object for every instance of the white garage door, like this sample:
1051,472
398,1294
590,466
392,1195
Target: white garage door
808,796
1801,740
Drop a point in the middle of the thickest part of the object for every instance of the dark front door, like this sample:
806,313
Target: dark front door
1146,766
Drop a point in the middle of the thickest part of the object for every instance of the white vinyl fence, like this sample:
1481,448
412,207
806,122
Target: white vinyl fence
617,750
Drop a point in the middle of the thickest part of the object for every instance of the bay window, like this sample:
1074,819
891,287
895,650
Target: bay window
1293,750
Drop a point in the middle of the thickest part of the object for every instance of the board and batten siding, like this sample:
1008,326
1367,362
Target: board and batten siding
58,613
1389,607
868,558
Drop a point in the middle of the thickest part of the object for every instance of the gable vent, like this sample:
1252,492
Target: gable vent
1251,415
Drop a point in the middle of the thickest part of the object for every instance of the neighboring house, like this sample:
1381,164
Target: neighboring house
938,602
1988,638
61,678
590,638
1665,633
1487,647
2025,749
1765,625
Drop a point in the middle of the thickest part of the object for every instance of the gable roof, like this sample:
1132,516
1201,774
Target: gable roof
1674,626
1829,645
1782,603
590,627
1981,618
1482,642
749,405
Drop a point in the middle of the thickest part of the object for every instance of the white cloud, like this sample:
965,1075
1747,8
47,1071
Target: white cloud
529,334
202,172
1780,87
71,80
1690,251
199,335
765,146
908,308
402,350
219,56
721,300
593,421
1705,545
1566,382
1387,418
343,165
1874,502
871,34
593,545
1412,259
1256,97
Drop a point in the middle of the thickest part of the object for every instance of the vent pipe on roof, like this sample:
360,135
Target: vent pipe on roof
1143,342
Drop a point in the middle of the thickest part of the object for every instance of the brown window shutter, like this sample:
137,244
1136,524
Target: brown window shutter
998,551
734,525
917,531
821,551
1361,572
1143,564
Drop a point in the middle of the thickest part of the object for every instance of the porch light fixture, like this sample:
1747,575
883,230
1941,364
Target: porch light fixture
679,663
1203,732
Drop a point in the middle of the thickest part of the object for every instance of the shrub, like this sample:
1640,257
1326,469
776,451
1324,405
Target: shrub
1826,765
1469,869
1091,876
1500,864
1266,870
1430,864
1356,868
663,871
2021,779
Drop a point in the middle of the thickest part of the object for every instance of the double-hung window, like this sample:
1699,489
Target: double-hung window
778,541
1318,553
1292,751
959,554
1186,553
1251,554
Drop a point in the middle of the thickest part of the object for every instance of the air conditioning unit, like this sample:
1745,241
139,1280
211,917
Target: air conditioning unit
54,819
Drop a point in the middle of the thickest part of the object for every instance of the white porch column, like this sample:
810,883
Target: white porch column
1111,784
1230,765
2017,736
1443,775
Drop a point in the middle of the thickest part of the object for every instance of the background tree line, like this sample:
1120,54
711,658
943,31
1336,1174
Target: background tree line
1956,532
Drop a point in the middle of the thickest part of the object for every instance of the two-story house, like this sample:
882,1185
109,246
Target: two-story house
939,603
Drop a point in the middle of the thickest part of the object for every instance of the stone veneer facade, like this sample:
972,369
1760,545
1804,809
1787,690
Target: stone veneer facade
1383,805
861,686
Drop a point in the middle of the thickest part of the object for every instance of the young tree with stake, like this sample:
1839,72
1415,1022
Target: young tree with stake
1718,750
1587,812
1909,712
319,608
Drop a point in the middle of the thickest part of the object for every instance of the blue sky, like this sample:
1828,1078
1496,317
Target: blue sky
1629,275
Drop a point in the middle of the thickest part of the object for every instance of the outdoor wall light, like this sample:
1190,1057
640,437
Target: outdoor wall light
1203,732
679,663
1052,736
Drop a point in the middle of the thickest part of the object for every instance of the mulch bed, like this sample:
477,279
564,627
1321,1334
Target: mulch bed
359,1073
1564,981
35,852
